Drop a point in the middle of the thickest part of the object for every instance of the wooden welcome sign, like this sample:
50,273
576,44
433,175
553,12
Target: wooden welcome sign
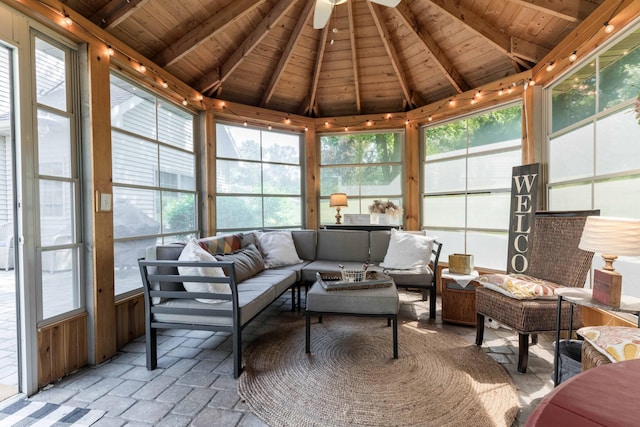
524,199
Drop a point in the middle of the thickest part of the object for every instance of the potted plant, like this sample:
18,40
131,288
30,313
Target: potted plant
385,212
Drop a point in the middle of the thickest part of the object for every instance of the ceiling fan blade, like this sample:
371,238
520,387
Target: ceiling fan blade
388,3
322,13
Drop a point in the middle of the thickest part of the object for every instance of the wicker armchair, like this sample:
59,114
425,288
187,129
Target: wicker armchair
554,257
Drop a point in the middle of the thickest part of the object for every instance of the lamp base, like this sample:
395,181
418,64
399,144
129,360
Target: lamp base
338,216
607,287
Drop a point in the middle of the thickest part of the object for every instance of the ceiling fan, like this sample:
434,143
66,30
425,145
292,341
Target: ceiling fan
324,7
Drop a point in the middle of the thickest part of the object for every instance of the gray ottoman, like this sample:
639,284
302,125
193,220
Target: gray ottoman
377,302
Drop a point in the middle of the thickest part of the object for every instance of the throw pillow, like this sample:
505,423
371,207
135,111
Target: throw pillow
221,244
618,343
248,262
193,252
408,251
277,248
519,286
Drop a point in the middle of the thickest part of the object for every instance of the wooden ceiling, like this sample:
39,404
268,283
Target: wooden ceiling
369,59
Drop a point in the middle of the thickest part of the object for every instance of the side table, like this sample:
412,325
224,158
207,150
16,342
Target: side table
584,297
459,297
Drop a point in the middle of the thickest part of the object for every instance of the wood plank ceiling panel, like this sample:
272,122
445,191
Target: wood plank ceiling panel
421,52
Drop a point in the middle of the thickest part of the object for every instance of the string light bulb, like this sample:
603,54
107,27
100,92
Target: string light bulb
573,56
551,66
608,27
452,102
287,120
67,20
501,92
142,68
406,122
245,123
430,118
199,97
185,102
306,128
110,51
164,84
346,128
532,82
269,127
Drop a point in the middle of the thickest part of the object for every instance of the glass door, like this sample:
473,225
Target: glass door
9,370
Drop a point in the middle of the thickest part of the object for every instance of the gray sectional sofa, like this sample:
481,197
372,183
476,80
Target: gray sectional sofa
169,305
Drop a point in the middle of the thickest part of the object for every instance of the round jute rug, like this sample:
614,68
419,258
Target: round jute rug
351,378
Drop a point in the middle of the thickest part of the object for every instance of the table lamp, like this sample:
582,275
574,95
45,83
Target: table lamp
610,237
338,200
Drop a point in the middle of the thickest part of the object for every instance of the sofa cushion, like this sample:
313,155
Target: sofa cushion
408,251
277,248
417,277
169,252
248,262
343,245
193,252
305,241
251,302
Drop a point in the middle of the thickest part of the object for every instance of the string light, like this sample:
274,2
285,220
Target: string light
430,118
346,128
573,56
608,27
67,20
306,128
245,123
142,68
389,116
110,51
199,97
532,82
452,102
269,127
287,120
185,102
501,92
164,84
551,66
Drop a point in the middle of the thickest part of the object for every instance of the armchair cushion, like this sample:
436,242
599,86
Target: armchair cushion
617,343
519,286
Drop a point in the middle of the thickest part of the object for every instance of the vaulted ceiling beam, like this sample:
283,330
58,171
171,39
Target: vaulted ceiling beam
569,10
211,26
441,58
294,39
515,48
354,57
247,46
391,50
114,12
322,44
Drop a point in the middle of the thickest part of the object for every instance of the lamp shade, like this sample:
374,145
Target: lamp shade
609,235
338,200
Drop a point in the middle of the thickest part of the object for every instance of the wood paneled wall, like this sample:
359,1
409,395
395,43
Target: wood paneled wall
62,348
129,319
